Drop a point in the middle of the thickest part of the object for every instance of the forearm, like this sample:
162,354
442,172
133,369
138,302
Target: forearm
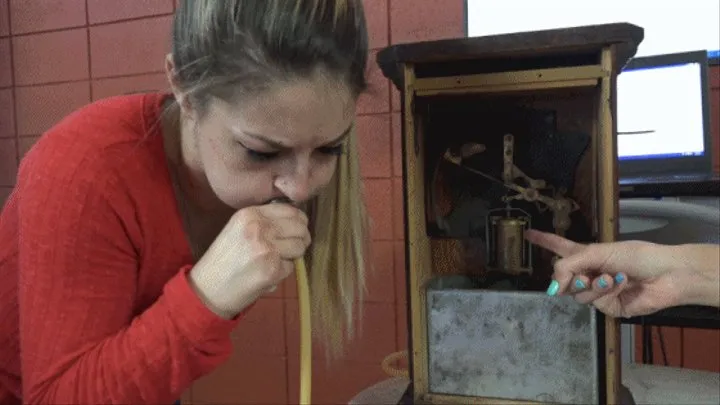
153,360
700,274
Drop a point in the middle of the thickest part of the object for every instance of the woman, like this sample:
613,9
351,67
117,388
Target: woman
139,229
632,278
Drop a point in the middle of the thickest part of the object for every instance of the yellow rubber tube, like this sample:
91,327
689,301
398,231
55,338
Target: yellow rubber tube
393,371
305,332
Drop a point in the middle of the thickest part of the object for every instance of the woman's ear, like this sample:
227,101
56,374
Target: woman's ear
172,77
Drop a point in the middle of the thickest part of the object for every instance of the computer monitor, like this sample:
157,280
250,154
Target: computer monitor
663,115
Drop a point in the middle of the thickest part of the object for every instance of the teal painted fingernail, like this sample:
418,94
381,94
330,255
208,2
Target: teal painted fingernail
619,278
602,283
579,284
553,289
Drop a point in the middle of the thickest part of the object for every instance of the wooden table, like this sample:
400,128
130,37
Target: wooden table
648,384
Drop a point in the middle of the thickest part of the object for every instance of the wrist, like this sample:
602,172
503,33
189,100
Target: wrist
697,274
205,289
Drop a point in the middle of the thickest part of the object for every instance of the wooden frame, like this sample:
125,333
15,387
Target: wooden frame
608,209
536,79
601,78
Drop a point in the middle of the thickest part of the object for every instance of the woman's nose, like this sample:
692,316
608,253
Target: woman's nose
295,186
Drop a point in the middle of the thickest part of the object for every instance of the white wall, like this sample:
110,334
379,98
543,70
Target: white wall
670,25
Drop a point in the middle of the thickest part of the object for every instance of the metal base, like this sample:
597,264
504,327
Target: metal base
510,344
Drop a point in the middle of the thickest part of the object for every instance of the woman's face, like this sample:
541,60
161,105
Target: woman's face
282,143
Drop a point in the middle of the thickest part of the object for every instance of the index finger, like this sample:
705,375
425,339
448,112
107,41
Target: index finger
282,209
554,243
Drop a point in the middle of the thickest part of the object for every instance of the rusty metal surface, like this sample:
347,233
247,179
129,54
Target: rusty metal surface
508,344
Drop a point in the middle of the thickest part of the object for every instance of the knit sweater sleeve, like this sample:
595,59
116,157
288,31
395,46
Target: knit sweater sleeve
80,340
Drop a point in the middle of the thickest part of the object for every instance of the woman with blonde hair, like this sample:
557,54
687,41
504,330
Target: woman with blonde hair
140,231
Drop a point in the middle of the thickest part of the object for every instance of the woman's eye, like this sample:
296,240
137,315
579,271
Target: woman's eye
257,155
266,156
262,156
332,150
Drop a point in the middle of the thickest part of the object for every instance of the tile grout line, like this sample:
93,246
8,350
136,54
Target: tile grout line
126,76
392,174
136,75
389,22
682,347
89,56
285,344
13,93
392,219
7,21
389,41
88,25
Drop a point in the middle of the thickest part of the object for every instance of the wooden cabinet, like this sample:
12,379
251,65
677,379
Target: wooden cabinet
503,134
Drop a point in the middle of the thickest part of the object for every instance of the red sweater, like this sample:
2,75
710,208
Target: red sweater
95,306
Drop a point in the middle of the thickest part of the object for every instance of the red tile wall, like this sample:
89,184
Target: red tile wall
118,47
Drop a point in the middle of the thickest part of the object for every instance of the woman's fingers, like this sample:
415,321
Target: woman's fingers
577,272
584,271
600,287
579,283
566,250
554,243
570,274
562,278
588,262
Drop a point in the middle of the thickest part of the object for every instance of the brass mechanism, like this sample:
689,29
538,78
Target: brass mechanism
507,249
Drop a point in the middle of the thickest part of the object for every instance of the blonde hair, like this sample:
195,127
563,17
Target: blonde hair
230,49
337,260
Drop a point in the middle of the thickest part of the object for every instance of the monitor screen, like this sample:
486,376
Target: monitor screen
660,112
671,26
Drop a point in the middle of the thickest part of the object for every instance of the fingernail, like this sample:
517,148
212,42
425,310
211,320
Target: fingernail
619,278
579,284
553,289
602,283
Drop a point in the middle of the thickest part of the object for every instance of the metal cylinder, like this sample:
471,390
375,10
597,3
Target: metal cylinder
510,244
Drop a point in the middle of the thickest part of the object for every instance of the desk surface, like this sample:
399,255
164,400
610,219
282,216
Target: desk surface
647,384
679,188
691,316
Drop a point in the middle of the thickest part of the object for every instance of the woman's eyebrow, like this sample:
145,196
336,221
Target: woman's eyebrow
342,136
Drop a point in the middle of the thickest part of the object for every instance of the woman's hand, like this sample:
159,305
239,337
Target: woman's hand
252,255
621,279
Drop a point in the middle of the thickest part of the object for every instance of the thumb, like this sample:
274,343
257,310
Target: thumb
610,304
588,261
562,277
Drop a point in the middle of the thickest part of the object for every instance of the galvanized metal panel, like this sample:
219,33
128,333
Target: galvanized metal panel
509,344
